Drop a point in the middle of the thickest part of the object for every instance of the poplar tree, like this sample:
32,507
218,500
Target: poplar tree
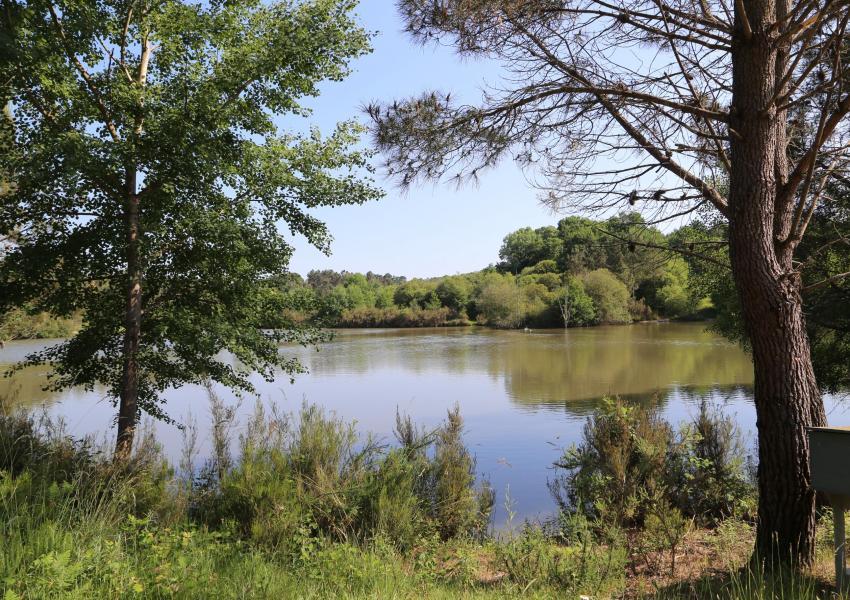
154,189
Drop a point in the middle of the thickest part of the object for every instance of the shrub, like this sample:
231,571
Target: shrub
454,293
708,477
500,303
395,317
456,506
311,476
618,465
576,307
609,295
639,311
630,466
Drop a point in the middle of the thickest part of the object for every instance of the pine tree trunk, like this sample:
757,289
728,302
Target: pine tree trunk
787,397
129,398
787,400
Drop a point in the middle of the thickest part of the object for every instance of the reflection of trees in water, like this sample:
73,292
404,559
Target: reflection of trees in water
718,395
624,361
576,366
447,350
551,366
25,387
715,395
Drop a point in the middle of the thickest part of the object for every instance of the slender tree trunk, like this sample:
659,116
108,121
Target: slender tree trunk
787,397
128,410
129,406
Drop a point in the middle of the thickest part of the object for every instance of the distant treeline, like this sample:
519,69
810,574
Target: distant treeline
578,273
28,323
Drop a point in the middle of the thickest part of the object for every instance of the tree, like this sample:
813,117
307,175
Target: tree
631,247
325,280
610,296
575,305
670,291
548,265
582,248
413,293
499,301
747,93
526,247
150,177
823,256
453,293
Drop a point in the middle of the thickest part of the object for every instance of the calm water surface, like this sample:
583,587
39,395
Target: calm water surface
524,395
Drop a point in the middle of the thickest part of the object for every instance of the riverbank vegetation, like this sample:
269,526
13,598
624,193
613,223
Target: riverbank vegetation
301,505
25,324
575,274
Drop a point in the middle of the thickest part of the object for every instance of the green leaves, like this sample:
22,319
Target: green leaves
189,98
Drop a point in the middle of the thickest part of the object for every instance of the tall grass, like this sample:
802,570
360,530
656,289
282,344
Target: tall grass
302,506
310,474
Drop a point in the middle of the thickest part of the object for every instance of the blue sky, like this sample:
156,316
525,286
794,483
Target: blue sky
430,229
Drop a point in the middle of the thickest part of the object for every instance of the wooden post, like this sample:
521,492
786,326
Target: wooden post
838,532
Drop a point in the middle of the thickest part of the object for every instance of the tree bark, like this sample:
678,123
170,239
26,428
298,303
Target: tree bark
787,397
129,397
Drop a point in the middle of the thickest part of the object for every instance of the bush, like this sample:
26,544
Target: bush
575,306
454,293
631,466
639,311
456,506
396,317
311,476
609,295
708,476
619,464
500,303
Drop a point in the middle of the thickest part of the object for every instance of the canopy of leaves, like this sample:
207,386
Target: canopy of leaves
186,99
610,296
526,247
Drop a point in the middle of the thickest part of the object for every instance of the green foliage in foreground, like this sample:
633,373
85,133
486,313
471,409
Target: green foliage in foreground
306,509
633,469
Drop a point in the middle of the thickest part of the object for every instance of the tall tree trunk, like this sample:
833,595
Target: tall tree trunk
129,397
787,397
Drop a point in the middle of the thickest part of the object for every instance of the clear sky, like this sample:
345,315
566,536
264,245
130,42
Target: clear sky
431,229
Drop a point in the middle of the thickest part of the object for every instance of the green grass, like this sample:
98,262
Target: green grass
307,509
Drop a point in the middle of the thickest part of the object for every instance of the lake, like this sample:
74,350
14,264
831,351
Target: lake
524,395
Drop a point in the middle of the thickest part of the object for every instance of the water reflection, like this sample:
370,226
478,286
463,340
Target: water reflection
548,366
524,396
